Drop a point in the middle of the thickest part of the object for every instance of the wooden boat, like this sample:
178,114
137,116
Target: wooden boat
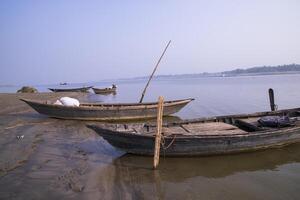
108,90
205,136
105,111
81,89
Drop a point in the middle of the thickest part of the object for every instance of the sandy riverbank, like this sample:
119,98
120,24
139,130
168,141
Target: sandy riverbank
45,158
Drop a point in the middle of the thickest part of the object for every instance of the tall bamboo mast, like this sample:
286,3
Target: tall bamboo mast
143,94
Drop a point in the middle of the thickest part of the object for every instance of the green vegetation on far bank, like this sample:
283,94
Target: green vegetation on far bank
253,71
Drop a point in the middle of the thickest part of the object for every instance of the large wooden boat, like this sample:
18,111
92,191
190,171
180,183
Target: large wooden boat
108,90
205,136
81,89
106,111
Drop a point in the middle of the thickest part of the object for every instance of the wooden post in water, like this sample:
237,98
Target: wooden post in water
272,101
160,110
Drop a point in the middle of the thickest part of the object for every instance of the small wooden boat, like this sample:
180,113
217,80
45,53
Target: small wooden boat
106,111
206,136
107,90
81,89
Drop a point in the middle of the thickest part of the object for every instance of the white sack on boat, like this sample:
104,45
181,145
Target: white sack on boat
68,101
58,102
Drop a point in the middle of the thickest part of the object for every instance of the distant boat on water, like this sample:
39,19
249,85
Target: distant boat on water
108,90
81,89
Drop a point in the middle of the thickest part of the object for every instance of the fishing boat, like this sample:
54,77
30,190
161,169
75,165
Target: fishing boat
81,89
107,90
106,111
206,136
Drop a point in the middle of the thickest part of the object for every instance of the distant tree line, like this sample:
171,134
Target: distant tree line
265,69
280,69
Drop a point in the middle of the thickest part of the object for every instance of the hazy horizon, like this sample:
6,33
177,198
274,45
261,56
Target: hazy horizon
44,42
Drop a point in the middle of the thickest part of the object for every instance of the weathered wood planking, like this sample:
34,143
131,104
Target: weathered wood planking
107,112
206,136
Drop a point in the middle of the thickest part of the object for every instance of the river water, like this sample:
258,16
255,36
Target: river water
268,174
214,95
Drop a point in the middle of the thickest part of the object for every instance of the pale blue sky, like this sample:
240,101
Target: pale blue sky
80,41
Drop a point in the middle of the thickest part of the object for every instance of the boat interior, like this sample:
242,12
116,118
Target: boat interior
217,126
131,104
120,104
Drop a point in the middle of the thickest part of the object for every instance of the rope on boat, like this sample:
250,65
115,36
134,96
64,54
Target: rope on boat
169,145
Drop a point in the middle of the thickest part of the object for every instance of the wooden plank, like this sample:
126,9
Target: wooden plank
213,128
173,130
158,133
210,126
221,132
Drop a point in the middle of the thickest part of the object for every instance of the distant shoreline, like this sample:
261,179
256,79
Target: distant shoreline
182,76
254,71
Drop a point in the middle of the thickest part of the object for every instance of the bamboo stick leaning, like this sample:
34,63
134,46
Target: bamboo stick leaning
160,108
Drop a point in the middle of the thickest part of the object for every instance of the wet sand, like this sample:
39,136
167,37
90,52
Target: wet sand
46,158
41,157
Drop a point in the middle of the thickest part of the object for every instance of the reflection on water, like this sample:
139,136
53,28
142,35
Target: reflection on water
271,173
214,166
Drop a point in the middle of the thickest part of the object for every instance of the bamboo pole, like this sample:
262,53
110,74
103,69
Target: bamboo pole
144,91
160,108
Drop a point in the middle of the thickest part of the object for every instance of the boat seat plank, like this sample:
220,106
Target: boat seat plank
221,132
177,130
213,128
210,128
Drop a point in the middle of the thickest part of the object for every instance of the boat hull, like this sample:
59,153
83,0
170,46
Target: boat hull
177,145
83,89
106,112
104,91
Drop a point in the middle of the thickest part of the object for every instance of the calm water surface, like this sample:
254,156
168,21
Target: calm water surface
214,96
269,174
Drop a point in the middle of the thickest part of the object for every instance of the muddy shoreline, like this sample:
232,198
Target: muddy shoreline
41,157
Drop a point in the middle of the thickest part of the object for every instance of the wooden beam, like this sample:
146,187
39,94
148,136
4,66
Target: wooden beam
158,133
